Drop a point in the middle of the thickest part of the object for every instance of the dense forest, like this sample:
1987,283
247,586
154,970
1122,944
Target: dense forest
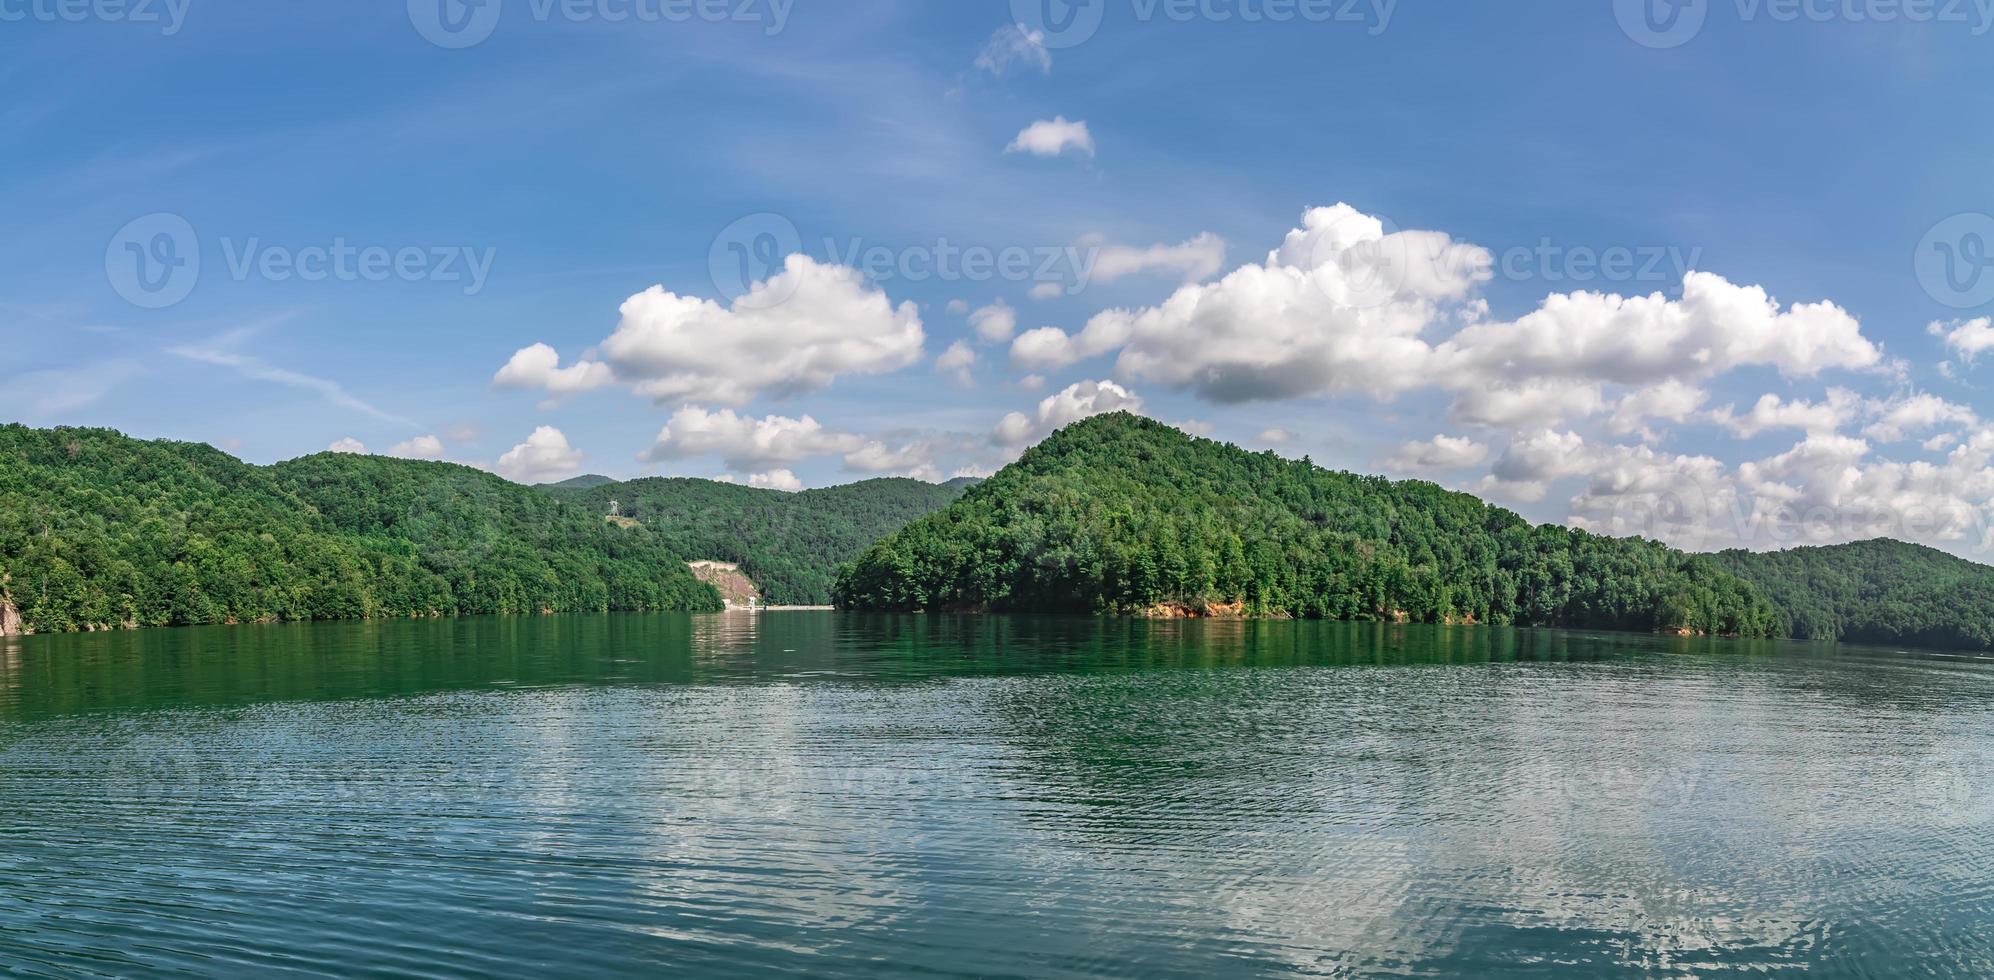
790,544
1878,591
100,530
1121,514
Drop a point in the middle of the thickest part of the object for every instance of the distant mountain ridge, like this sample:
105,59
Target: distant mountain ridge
790,544
1878,591
98,530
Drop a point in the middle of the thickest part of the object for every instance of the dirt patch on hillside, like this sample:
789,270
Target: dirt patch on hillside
736,589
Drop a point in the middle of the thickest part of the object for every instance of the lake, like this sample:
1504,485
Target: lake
841,795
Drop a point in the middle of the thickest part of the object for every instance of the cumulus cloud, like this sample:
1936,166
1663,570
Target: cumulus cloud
957,360
1014,45
1828,488
913,459
1901,418
544,457
539,366
744,442
1439,454
1276,437
1672,401
1052,137
796,332
348,445
1078,401
1966,338
1346,306
994,323
1047,290
420,447
1337,309
782,480
1838,409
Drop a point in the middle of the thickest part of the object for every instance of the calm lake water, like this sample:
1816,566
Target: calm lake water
838,795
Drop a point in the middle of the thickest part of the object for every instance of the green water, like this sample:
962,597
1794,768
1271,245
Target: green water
834,795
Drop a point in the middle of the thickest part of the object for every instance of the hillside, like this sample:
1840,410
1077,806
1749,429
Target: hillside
100,530
1120,514
1879,591
790,544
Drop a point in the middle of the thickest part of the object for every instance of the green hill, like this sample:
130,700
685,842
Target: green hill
1879,591
1119,514
100,530
791,544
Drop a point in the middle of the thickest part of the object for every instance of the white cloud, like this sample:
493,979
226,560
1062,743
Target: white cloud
420,447
348,445
1275,437
1838,409
794,333
744,442
782,480
1047,290
544,457
1014,45
958,307
1439,454
994,323
1078,401
1345,306
1534,461
1338,308
957,360
1967,338
1901,418
1052,137
1645,340
1530,403
1672,401
915,460
539,366
1195,260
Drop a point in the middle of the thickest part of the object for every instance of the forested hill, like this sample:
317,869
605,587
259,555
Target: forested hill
1878,591
1121,514
100,530
791,544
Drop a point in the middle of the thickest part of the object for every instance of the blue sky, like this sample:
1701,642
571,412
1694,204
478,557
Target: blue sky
517,186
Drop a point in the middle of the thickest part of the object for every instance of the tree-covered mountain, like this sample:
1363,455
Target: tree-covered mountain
1121,514
100,530
790,544
1879,591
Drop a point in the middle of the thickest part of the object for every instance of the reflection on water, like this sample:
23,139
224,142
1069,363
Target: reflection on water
847,795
